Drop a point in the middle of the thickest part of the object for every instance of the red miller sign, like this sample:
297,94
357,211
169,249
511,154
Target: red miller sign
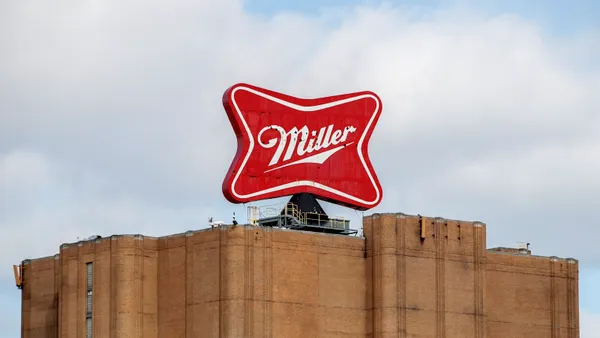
288,145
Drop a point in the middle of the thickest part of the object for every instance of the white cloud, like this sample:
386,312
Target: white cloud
589,324
44,205
111,116
23,170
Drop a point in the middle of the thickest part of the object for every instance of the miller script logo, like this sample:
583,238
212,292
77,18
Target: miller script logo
288,145
304,141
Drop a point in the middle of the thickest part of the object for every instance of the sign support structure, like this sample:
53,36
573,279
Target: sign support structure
307,148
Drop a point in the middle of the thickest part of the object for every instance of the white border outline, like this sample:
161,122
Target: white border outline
305,182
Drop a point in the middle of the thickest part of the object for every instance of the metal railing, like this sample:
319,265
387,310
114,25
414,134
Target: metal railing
253,215
320,219
292,210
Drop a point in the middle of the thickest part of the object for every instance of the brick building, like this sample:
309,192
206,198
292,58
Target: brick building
407,277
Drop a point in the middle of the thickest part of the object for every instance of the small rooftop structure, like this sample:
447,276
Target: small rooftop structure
302,212
514,251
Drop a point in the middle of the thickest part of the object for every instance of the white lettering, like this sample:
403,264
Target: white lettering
301,142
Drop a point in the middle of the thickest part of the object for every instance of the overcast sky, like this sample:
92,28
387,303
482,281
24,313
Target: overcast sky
111,118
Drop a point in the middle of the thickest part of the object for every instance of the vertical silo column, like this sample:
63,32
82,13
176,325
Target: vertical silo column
126,282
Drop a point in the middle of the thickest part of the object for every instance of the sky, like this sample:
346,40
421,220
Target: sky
111,118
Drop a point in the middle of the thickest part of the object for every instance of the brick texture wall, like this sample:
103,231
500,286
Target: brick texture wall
409,277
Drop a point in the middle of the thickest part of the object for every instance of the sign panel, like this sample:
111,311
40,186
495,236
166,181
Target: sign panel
289,145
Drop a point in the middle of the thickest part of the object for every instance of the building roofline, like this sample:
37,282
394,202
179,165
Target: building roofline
250,226
515,253
30,260
191,232
401,214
